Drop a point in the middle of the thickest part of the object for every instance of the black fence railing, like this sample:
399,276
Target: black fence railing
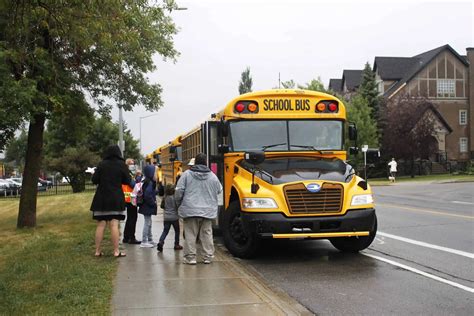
55,189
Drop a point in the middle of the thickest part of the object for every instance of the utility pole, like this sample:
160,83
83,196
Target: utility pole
279,81
121,142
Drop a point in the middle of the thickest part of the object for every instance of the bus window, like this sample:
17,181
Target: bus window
179,153
322,135
255,135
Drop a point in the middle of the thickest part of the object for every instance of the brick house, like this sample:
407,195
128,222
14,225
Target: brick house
443,77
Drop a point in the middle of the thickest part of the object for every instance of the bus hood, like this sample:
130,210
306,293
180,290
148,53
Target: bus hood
280,170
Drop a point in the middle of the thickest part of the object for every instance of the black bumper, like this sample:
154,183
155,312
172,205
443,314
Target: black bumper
267,224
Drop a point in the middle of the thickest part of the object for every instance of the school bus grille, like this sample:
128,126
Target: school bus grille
301,201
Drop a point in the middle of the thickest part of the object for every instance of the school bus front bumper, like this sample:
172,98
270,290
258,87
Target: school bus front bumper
355,223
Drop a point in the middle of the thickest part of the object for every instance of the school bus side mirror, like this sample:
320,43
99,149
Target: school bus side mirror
223,148
353,150
254,157
352,131
223,129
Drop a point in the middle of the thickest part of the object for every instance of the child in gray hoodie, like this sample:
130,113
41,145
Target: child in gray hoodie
170,218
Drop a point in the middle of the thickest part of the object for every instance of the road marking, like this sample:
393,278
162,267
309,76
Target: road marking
425,211
427,245
462,202
428,275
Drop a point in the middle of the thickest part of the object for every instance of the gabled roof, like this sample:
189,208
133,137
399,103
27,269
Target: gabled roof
425,107
393,68
419,62
335,85
351,78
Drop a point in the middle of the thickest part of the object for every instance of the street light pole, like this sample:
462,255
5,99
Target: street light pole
121,143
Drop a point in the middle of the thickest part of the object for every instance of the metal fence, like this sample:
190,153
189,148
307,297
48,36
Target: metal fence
56,189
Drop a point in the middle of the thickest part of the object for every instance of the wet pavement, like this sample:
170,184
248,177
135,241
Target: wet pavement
153,283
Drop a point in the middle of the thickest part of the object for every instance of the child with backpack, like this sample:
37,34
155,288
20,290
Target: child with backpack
146,201
171,218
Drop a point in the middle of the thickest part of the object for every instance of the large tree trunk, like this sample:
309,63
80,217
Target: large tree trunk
29,190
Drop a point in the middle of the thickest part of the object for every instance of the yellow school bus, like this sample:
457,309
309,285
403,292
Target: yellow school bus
170,158
149,160
281,160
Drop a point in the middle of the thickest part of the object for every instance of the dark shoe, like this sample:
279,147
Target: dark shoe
134,242
159,247
178,247
125,241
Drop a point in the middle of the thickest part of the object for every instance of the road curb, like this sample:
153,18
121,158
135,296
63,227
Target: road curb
277,299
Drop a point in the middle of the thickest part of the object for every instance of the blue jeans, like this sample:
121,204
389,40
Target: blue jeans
167,226
147,236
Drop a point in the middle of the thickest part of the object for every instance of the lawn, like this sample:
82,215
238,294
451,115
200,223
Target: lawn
434,178
51,269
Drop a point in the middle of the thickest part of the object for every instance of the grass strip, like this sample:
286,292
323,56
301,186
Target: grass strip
51,269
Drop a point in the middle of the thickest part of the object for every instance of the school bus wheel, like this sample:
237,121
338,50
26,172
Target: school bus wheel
355,244
238,241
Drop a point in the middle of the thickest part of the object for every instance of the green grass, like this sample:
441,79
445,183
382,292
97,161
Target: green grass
51,269
435,178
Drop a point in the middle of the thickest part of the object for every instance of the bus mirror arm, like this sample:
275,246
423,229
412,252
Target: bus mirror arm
254,187
223,148
254,158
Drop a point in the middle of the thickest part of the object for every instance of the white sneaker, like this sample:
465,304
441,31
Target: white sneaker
207,261
191,262
146,245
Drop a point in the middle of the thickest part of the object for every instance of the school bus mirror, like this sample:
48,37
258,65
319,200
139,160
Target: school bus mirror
223,128
352,132
173,150
373,155
353,150
223,149
254,157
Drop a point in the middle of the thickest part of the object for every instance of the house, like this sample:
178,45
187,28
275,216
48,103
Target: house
442,76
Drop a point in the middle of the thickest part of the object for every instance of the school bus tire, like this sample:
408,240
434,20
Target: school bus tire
240,243
355,244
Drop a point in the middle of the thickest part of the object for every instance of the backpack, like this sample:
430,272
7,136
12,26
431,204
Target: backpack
139,197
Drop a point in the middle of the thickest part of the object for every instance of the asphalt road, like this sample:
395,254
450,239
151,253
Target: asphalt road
421,261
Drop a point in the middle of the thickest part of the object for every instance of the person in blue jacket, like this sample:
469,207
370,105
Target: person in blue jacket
149,206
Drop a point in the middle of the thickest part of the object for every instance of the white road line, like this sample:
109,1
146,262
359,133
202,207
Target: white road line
431,276
462,202
427,245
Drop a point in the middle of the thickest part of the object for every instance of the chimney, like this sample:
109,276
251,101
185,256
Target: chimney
470,59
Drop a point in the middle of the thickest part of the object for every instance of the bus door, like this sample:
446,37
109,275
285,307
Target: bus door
210,145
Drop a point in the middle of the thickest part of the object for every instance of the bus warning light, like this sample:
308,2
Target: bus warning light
252,107
321,107
332,107
240,107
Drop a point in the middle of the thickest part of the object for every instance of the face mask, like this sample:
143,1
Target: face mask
132,168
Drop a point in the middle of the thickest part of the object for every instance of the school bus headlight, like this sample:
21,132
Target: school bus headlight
362,199
259,203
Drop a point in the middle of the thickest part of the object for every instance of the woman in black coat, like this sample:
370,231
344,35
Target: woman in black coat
108,205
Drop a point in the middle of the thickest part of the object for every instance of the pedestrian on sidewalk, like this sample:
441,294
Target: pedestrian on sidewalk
393,170
197,198
170,218
108,204
149,206
132,215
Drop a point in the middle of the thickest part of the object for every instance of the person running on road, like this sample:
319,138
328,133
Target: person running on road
197,198
393,170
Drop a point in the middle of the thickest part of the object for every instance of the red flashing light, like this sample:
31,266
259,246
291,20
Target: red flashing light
240,107
332,107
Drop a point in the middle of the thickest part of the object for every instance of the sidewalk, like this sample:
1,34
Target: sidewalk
153,283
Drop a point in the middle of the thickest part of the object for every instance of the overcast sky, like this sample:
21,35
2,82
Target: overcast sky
301,39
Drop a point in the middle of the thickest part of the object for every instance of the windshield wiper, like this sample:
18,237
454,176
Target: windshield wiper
270,146
307,147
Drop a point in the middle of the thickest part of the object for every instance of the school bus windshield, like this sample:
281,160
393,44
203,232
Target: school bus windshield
286,135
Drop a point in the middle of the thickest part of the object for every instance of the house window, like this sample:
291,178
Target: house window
463,144
446,88
462,117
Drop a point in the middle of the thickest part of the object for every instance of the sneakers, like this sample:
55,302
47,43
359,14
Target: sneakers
159,247
189,261
134,241
178,247
207,261
146,245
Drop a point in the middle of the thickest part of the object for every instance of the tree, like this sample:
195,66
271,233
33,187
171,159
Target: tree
16,150
359,112
49,49
409,129
289,84
368,90
314,85
245,84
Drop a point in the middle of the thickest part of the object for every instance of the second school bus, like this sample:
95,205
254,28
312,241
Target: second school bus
280,157
170,161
